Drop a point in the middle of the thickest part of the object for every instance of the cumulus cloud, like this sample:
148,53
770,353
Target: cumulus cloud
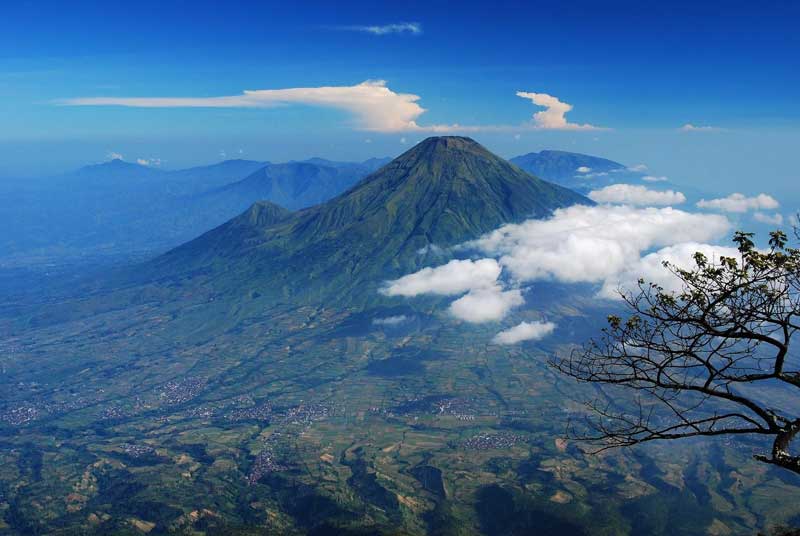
390,320
653,178
592,244
689,127
486,304
629,194
149,162
553,117
651,268
740,203
609,245
455,277
771,219
638,168
387,29
114,156
525,331
374,106
584,169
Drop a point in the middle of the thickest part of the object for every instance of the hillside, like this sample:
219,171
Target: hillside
442,192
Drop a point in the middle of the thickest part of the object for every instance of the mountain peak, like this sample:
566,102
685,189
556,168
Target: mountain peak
443,191
450,144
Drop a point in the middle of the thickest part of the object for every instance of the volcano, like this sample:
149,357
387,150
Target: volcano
440,193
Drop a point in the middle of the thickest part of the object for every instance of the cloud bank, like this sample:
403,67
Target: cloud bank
629,194
593,244
651,268
609,245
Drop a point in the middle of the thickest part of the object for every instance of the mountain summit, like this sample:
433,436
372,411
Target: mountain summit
442,192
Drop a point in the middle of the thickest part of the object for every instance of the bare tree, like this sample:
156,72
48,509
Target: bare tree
713,359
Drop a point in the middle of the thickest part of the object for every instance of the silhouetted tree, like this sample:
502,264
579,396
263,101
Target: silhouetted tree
712,359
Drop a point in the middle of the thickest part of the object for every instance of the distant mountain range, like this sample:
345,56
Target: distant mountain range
120,209
579,172
123,208
293,185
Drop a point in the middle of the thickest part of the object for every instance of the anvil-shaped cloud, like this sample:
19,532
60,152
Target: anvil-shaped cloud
374,106
372,103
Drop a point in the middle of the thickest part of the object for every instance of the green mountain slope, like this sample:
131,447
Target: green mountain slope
440,193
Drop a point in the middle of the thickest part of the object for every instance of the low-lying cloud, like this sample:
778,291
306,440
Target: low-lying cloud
629,194
486,304
593,244
525,331
608,245
650,268
395,320
740,203
455,277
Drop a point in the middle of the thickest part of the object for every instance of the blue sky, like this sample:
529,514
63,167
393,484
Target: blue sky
640,71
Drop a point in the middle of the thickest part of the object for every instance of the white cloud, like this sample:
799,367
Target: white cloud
149,162
114,156
772,219
610,245
486,304
629,194
638,168
653,178
525,331
391,320
651,268
688,127
584,169
740,203
387,29
554,115
374,106
455,277
593,244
